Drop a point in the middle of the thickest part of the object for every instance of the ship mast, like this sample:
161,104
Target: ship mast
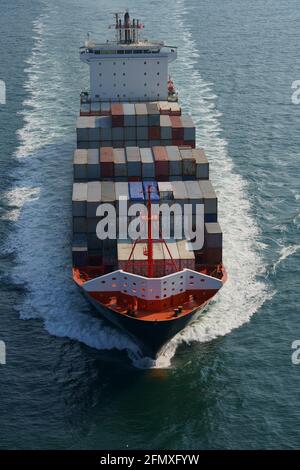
127,32
149,241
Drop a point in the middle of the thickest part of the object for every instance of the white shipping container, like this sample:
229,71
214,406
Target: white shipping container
82,129
121,190
210,197
202,165
180,192
93,197
129,114
194,193
79,199
141,114
165,190
108,193
94,130
148,169
80,164
188,163
175,160
165,127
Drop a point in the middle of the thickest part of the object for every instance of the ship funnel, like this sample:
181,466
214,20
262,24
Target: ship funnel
127,27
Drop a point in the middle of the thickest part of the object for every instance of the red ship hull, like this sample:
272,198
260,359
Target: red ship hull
150,333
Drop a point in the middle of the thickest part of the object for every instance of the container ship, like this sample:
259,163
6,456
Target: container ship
135,145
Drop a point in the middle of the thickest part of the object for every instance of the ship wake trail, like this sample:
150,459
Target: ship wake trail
245,291
42,213
39,203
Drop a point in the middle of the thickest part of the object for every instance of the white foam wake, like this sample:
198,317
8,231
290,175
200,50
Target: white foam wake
40,207
285,252
42,237
243,294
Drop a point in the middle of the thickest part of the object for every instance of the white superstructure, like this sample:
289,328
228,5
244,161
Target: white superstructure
128,68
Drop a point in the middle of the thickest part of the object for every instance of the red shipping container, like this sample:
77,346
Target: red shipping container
175,112
117,115
177,128
107,162
178,143
133,178
161,163
154,133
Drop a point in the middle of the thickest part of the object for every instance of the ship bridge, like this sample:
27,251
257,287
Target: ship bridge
128,68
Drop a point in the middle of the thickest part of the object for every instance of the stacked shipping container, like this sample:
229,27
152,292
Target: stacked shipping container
164,163
122,149
129,124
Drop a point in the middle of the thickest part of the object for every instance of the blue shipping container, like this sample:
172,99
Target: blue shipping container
136,192
154,190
